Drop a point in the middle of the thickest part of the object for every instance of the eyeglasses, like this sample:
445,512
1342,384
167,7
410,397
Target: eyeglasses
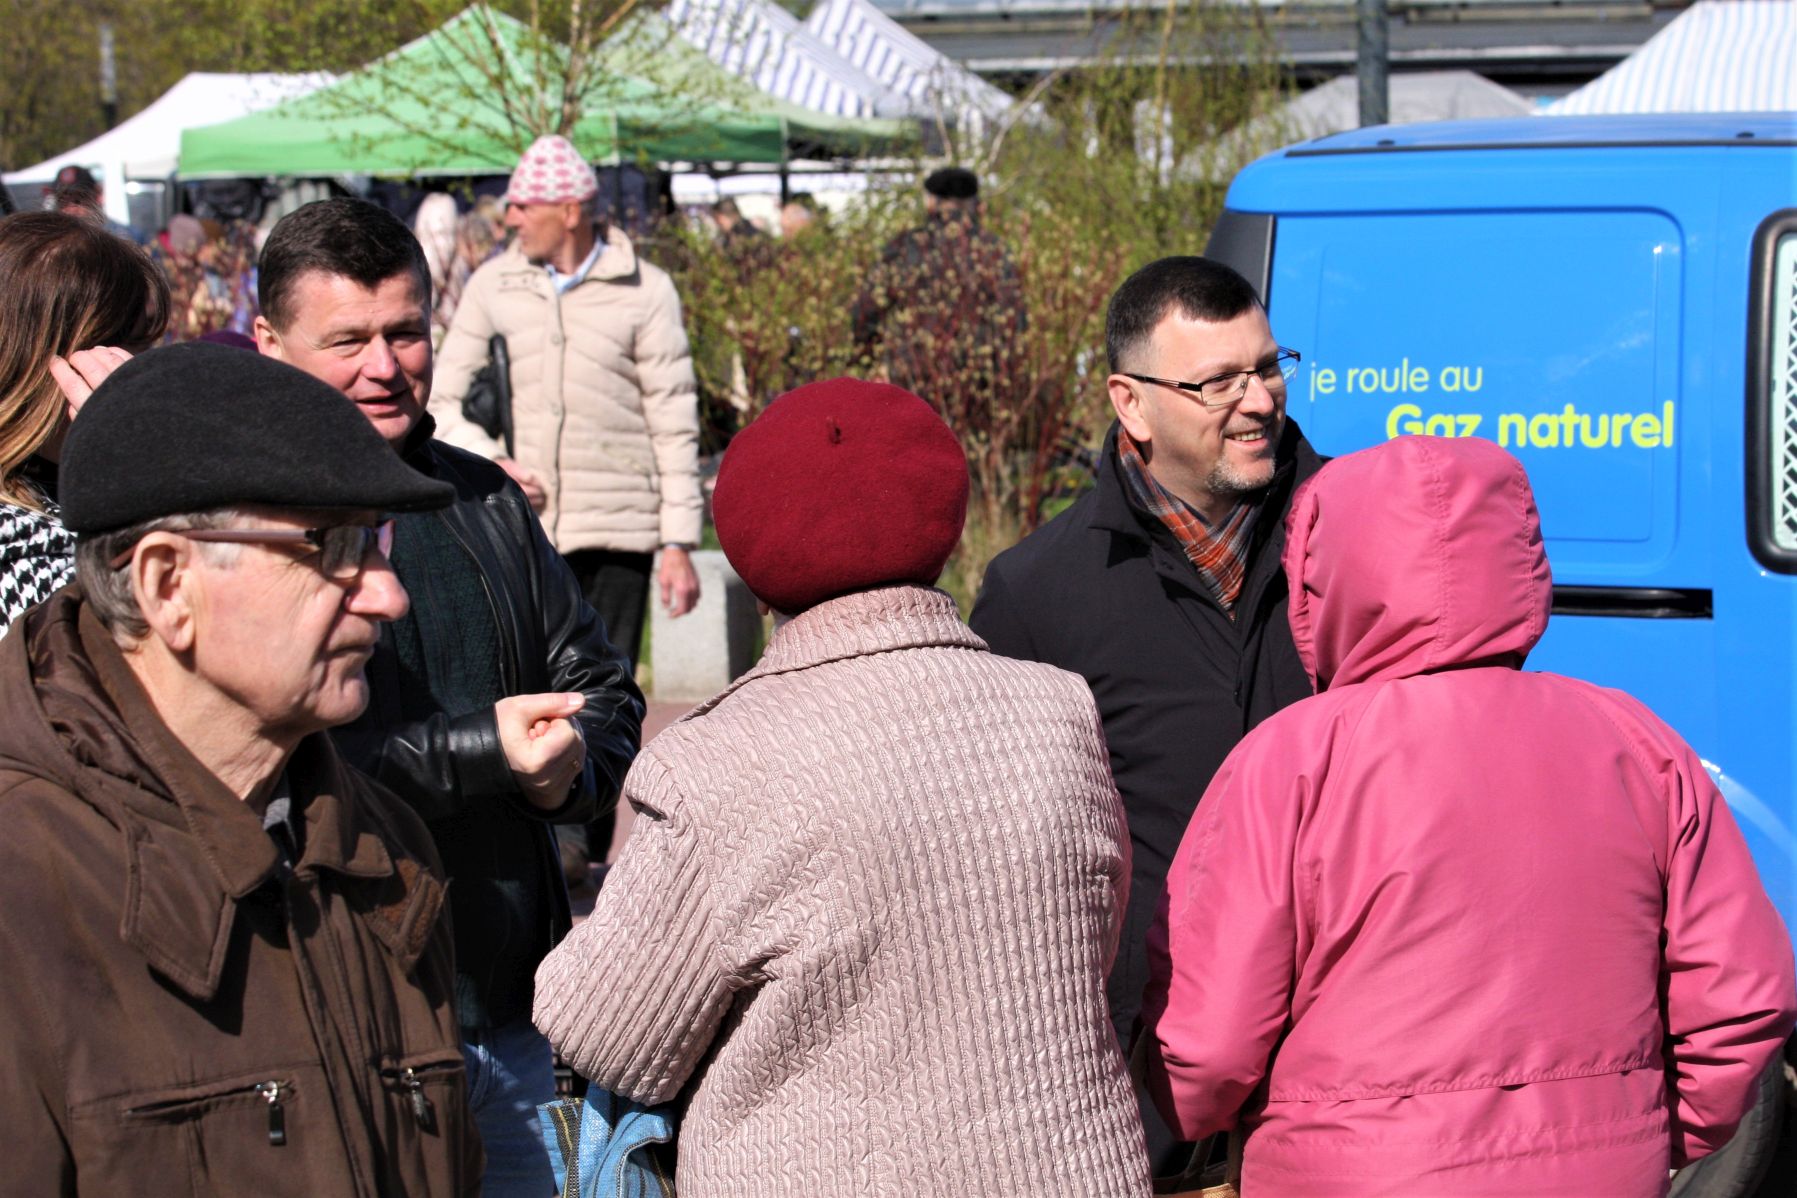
1226,389
342,548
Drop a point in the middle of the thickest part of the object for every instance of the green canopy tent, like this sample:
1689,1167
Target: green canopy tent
467,98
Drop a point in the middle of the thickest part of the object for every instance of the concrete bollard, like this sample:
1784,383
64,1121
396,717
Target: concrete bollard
697,655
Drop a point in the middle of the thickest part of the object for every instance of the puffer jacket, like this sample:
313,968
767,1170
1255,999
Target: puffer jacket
603,402
1450,928
181,1013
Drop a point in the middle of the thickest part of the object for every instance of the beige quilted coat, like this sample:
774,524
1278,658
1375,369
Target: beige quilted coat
863,922
603,405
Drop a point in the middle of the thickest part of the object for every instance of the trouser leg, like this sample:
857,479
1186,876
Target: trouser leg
617,586
510,1071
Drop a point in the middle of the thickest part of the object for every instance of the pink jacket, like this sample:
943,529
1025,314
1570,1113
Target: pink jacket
1413,935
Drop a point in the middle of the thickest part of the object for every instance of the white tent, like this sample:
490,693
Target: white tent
886,51
1334,107
763,43
1733,56
147,145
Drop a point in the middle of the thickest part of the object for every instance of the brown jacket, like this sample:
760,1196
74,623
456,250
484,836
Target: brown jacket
603,403
178,1016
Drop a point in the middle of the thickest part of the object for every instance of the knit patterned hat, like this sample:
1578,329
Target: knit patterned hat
551,172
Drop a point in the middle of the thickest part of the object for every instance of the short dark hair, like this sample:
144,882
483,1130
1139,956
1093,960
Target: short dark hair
1197,288
342,236
75,187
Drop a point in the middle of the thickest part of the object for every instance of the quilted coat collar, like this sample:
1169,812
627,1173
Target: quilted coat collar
859,625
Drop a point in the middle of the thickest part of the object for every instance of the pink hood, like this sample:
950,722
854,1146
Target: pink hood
1407,599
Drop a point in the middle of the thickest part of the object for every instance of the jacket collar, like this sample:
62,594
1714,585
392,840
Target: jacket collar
186,871
412,449
859,625
1114,511
616,261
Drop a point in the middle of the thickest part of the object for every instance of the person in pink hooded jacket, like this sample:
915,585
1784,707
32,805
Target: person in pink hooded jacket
1451,928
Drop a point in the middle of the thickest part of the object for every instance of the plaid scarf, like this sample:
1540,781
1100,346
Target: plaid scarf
1220,554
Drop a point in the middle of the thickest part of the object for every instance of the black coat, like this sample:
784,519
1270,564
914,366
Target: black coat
550,640
1103,590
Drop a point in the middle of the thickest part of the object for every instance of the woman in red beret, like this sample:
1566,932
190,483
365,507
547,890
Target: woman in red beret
862,926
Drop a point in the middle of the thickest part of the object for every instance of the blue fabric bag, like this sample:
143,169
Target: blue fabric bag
602,1146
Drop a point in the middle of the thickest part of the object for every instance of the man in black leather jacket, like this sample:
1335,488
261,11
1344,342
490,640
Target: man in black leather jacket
497,705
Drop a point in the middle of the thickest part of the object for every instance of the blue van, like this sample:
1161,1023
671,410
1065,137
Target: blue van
1614,300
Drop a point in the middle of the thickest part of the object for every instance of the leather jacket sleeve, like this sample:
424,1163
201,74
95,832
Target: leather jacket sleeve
436,764
581,658
557,642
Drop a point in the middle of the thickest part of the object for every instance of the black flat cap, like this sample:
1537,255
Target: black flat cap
953,183
190,427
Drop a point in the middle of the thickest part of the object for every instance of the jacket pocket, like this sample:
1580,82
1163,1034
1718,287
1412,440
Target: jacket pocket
270,1095
225,1135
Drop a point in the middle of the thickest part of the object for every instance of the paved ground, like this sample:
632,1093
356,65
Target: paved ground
660,715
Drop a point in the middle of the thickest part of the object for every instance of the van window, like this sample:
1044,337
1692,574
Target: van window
1772,394
1554,334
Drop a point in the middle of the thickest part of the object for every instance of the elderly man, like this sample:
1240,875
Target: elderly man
498,705
1161,586
604,409
228,967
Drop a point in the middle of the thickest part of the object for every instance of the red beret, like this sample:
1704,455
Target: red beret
840,486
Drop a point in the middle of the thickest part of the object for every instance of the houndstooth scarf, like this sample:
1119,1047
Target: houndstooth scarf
37,557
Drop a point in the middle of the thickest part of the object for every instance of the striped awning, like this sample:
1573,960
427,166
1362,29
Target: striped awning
1717,56
763,43
882,48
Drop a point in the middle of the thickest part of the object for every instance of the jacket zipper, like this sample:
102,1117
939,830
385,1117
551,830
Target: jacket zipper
272,1092
277,1114
411,1084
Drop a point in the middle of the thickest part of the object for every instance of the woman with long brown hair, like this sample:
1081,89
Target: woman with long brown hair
75,301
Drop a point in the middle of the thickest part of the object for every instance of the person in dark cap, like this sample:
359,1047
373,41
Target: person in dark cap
874,886
954,183
230,965
943,312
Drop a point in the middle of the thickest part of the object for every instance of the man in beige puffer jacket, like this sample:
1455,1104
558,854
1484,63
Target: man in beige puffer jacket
605,416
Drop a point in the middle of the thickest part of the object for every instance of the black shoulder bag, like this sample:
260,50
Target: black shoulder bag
488,402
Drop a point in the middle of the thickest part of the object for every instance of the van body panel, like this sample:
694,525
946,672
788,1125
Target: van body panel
1578,290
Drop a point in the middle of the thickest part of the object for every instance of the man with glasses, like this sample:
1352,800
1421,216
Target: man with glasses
499,706
229,970
1161,586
